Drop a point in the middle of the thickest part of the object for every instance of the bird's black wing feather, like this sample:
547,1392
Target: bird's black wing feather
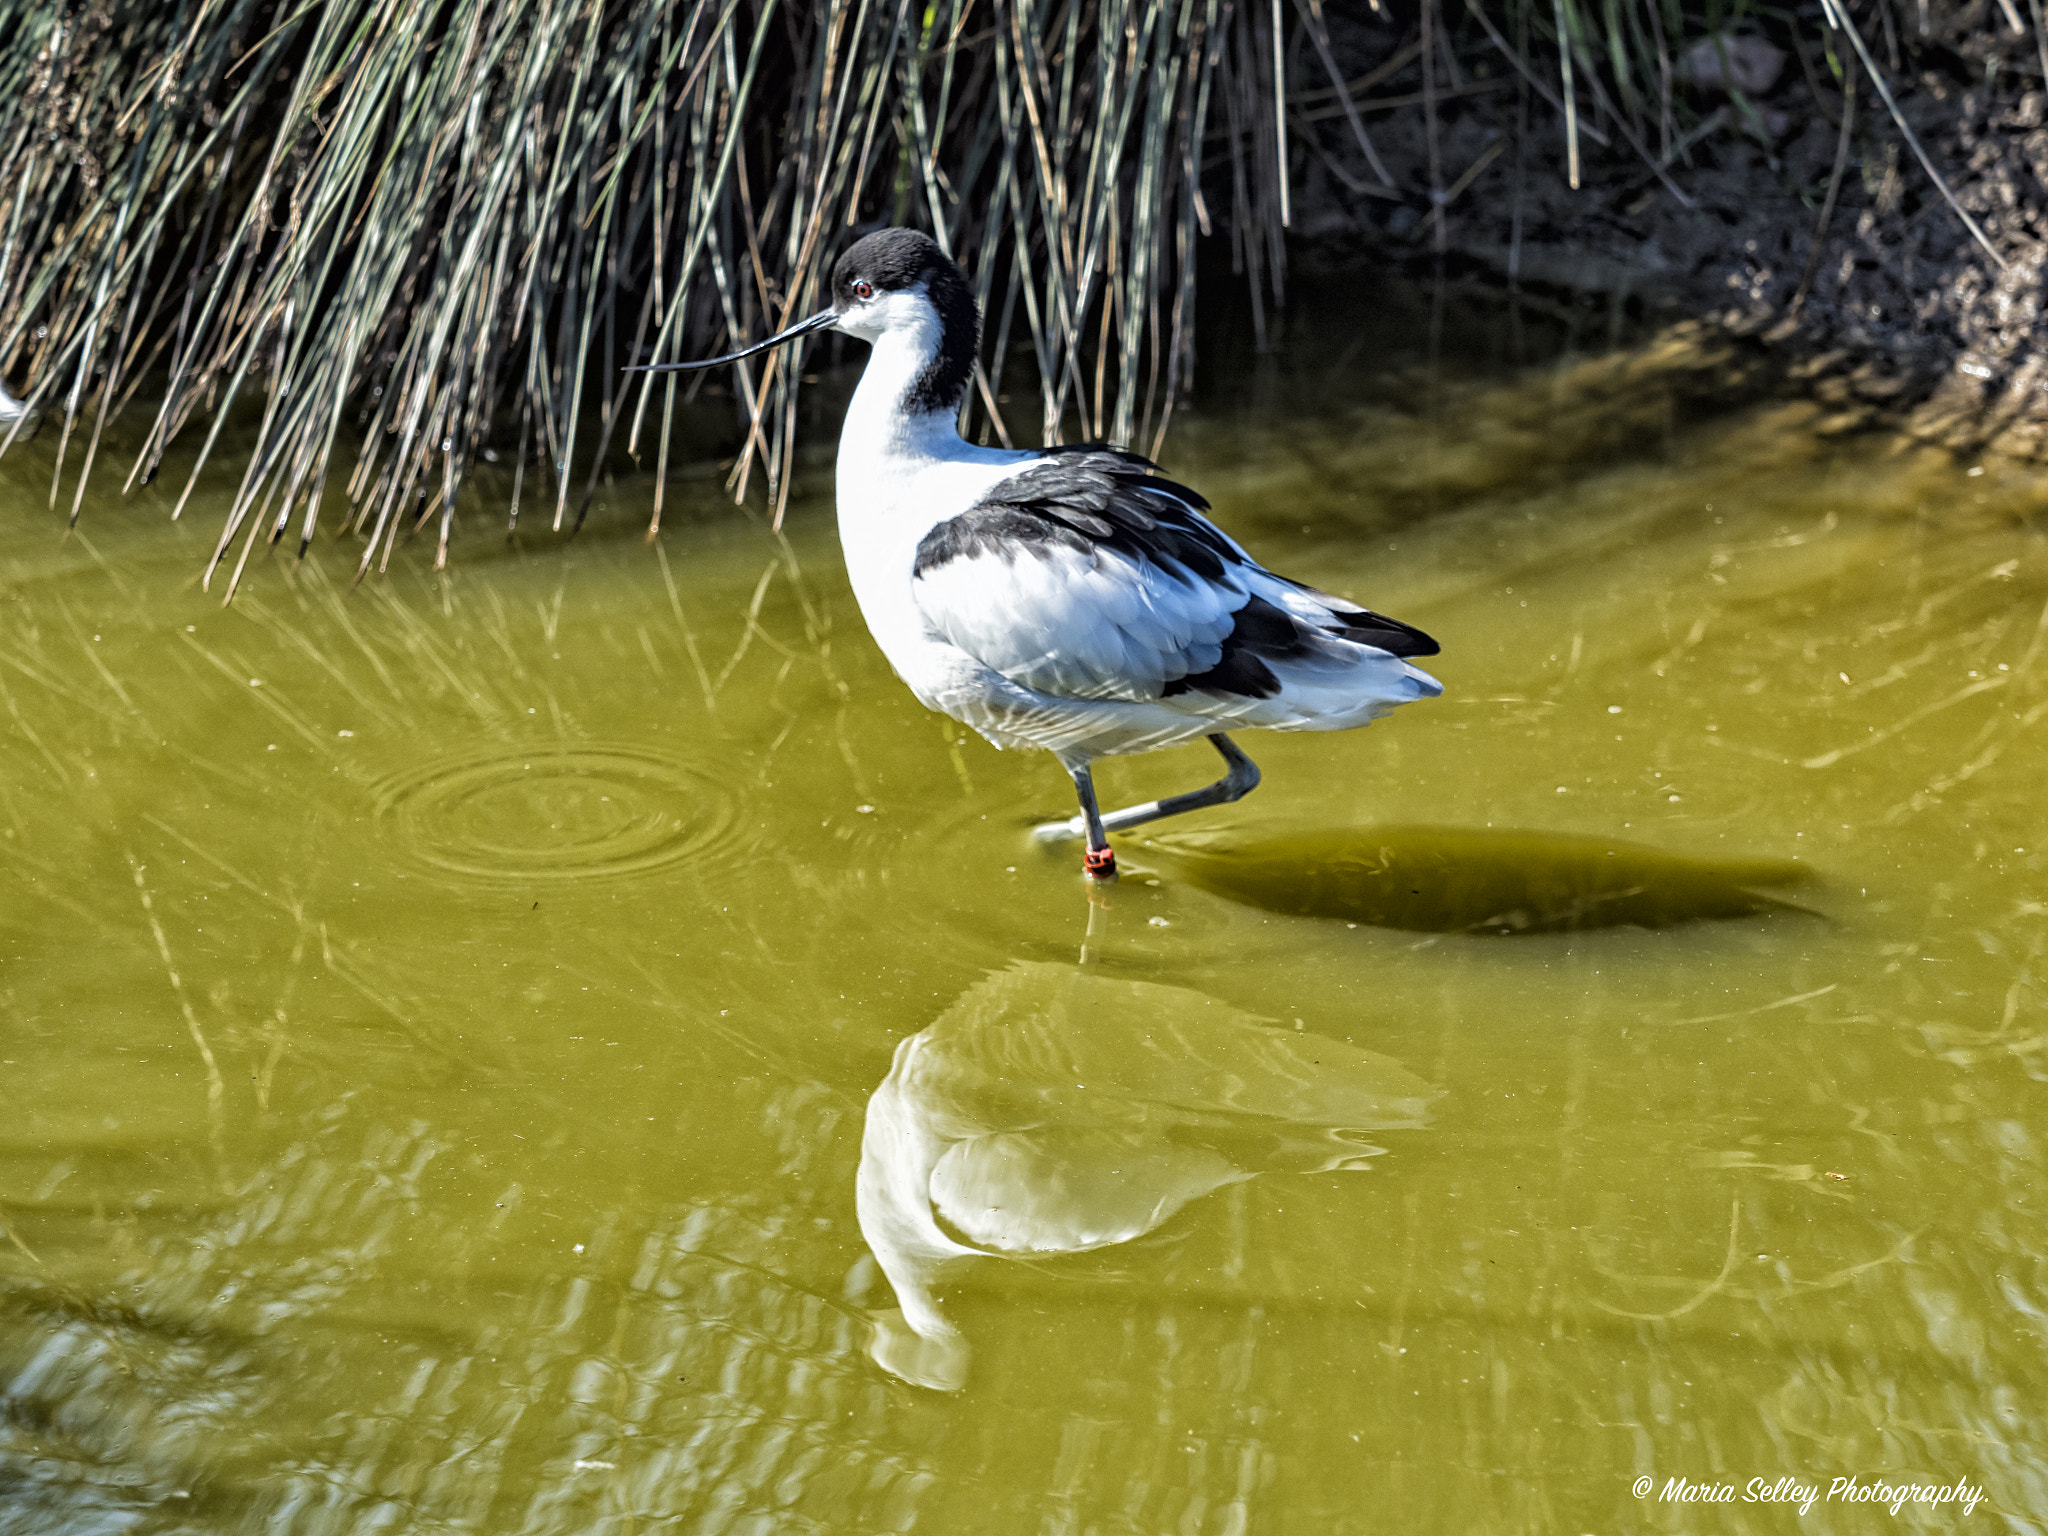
1082,498
1375,629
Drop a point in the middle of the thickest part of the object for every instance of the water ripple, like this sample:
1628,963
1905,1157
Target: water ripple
582,813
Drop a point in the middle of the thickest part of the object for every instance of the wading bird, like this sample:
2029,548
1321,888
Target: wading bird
1072,598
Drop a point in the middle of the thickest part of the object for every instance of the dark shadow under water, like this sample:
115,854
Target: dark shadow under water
1474,880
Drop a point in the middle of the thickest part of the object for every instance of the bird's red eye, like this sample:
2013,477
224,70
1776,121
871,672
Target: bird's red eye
863,290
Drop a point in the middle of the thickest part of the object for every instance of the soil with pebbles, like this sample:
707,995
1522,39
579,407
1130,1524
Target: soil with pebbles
1905,319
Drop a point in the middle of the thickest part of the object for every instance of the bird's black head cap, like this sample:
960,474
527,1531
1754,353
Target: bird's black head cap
890,260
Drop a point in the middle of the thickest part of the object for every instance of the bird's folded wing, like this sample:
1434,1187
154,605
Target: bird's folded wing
1088,575
1075,620
1085,576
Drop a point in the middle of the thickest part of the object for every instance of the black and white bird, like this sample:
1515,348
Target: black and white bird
1072,599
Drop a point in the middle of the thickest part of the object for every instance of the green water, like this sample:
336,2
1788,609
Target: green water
442,1021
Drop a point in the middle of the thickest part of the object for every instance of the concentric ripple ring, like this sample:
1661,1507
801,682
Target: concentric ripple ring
555,814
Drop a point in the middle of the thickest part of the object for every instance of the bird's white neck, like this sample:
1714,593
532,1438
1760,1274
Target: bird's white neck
901,471
883,435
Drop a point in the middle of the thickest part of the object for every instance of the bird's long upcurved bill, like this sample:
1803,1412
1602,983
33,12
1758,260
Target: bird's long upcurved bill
817,322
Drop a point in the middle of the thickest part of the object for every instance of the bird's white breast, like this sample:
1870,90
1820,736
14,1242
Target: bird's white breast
900,476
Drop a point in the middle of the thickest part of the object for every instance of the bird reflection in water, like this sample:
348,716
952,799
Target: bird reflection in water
1056,1110
1474,880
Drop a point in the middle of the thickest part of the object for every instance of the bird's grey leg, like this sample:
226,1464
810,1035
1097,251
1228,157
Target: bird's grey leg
1241,779
1099,861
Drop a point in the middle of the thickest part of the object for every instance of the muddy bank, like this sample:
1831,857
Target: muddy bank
1714,207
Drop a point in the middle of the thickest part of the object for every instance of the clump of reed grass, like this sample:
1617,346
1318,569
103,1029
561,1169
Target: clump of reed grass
411,230
404,235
